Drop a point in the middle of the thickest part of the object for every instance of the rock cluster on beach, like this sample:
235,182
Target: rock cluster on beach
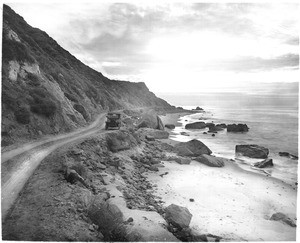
214,128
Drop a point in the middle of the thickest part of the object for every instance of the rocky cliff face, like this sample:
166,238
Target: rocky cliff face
47,90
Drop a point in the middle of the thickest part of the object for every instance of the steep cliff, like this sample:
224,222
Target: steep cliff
47,90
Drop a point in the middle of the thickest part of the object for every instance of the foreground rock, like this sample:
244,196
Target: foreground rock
210,160
192,148
282,217
195,125
237,128
178,216
265,163
120,140
252,151
107,216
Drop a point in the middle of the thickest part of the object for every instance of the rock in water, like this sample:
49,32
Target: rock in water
286,154
195,125
210,160
252,151
170,126
282,217
195,146
237,128
178,216
265,163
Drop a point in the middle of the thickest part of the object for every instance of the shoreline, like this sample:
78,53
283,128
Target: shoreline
249,198
216,144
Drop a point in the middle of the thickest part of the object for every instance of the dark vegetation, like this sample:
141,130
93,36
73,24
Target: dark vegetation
42,102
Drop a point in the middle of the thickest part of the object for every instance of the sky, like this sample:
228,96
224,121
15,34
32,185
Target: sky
178,47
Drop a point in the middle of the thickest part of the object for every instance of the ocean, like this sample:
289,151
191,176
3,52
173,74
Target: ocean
273,123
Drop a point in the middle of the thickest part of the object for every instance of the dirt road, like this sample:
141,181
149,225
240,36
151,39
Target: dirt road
18,165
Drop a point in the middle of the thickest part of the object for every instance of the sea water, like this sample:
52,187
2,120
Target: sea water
273,123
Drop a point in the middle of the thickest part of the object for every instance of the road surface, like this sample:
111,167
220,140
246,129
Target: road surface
19,164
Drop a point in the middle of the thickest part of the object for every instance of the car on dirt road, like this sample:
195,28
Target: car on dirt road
113,121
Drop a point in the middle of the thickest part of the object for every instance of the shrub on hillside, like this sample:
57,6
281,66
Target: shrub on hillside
12,50
44,107
22,115
42,103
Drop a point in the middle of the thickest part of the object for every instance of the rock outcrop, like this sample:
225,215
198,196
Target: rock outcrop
194,146
46,90
252,151
195,125
237,128
265,163
283,218
178,216
210,160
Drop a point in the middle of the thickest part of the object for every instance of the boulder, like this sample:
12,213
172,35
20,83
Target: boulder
183,160
252,151
184,151
170,126
195,125
286,154
209,124
222,125
150,138
237,128
178,216
106,216
195,146
153,168
210,160
120,140
215,128
265,163
184,134
151,120
149,132
198,109
282,217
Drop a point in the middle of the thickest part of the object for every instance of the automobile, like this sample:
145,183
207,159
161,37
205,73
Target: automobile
113,121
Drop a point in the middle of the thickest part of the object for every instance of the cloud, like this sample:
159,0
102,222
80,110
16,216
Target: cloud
251,64
142,40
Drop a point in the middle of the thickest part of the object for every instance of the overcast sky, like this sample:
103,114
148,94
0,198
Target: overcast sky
178,47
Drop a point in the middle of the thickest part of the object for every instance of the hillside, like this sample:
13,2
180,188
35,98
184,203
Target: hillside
46,90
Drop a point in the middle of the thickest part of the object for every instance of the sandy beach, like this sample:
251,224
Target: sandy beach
228,201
